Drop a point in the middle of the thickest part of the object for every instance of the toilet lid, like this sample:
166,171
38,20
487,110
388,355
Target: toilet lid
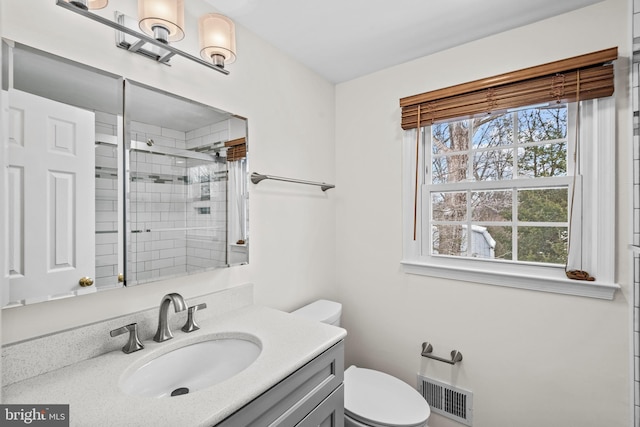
377,399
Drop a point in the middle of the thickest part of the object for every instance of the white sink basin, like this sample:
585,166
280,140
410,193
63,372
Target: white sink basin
191,368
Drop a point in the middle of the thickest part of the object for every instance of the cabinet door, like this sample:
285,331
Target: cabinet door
330,413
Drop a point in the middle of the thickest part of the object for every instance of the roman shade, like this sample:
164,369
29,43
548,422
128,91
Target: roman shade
582,77
236,149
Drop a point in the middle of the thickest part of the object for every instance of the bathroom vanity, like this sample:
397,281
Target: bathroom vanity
311,396
296,380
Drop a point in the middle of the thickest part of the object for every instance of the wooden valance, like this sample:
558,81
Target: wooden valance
553,82
236,149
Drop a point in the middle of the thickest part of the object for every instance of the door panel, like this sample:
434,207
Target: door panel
51,171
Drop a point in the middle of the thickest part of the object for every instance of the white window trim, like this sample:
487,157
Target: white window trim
598,141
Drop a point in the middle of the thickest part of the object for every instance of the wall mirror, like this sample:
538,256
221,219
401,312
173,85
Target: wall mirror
113,183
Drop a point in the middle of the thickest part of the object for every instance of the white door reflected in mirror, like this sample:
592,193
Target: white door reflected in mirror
51,166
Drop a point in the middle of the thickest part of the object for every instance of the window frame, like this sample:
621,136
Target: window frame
596,251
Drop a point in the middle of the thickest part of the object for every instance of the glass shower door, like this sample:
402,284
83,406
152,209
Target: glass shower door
177,185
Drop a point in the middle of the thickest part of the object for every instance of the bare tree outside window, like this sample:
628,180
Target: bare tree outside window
497,209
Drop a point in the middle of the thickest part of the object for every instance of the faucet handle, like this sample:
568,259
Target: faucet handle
191,324
134,343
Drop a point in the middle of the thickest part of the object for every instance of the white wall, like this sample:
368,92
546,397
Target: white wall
291,133
531,358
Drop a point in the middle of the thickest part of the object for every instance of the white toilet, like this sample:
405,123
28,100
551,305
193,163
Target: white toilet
371,398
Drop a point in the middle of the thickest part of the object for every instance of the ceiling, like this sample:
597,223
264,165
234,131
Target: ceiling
345,39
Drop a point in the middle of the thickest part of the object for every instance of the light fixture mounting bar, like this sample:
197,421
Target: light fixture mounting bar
137,45
166,57
138,35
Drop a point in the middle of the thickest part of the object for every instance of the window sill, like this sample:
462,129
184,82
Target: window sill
549,282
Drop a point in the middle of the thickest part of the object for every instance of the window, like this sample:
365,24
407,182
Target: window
497,186
494,194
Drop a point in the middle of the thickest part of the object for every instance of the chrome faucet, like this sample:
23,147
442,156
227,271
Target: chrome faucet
164,333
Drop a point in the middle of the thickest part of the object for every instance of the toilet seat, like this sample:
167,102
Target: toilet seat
376,399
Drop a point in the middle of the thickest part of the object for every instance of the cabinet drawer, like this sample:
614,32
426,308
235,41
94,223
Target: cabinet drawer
330,413
293,398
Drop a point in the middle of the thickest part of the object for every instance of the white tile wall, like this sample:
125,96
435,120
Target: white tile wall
177,205
182,203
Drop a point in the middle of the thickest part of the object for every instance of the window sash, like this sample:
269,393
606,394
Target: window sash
513,184
515,225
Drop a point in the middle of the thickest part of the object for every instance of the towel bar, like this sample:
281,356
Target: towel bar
256,178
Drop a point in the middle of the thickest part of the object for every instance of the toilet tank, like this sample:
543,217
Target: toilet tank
323,310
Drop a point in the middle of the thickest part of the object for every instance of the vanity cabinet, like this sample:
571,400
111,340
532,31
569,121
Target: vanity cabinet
312,396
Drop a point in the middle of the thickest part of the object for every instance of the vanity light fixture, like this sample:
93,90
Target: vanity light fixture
161,22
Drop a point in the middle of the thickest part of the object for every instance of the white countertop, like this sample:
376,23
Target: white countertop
91,387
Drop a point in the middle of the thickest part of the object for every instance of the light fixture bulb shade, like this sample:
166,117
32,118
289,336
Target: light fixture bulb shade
168,14
89,4
217,38
97,4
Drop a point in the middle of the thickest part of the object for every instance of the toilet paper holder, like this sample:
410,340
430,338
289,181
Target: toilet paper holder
427,349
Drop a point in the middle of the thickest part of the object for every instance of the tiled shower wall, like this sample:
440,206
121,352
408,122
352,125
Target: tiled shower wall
636,206
177,204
